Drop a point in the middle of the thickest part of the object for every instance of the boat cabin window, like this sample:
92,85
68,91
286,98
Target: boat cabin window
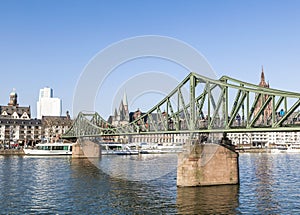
44,147
60,148
65,148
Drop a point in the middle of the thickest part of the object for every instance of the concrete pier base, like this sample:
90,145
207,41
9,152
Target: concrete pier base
208,164
86,149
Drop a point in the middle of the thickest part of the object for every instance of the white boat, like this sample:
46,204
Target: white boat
160,148
46,149
279,149
117,149
174,148
276,150
112,148
289,148
293,148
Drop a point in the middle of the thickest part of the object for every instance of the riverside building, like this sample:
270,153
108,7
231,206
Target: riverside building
18,128
16,125
54,126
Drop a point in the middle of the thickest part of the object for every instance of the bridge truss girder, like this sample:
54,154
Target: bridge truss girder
203,105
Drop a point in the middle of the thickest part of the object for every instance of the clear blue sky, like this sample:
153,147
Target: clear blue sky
48,43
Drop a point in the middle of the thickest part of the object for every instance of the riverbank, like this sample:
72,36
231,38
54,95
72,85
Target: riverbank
11,152
253,150
240,150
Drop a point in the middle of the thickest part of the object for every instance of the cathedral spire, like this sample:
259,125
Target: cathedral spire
125,102
262,78
262,82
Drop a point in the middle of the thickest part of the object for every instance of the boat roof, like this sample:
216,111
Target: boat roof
54,144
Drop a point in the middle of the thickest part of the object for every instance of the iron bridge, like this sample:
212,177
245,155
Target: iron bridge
203,105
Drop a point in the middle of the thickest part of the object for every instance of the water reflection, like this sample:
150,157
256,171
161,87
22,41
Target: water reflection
264,192
143,167
208,200
259,171
269,183
111,195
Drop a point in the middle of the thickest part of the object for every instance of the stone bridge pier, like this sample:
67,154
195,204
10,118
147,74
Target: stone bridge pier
208,164
86,149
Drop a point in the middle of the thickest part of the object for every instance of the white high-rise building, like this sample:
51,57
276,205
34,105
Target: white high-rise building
47,105
46,92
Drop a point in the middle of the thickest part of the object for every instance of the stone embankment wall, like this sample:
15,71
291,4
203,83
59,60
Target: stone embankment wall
11,152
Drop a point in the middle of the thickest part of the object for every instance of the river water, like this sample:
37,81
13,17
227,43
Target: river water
269,184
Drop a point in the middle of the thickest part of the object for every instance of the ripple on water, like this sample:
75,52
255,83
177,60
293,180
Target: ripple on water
269,183
39,185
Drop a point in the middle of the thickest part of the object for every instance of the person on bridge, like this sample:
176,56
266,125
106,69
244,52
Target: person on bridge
281,113
238,119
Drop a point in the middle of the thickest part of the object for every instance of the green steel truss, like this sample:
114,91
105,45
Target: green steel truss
203,105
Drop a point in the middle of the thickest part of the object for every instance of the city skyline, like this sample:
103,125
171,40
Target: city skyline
49,44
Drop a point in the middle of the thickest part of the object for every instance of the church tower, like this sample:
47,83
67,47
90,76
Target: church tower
268,110
13,98
125,107
121,115
262,82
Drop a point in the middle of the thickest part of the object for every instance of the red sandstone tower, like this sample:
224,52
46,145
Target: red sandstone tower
263,119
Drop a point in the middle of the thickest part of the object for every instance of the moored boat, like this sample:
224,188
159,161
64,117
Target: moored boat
279,149
117,149
160,148
293,148
47,149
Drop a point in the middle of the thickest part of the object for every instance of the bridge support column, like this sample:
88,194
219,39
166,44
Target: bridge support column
77,151
86,149
208,164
